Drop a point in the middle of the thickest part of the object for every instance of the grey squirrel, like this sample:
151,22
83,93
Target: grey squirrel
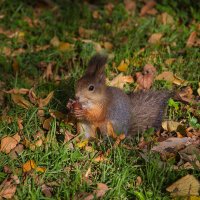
97,104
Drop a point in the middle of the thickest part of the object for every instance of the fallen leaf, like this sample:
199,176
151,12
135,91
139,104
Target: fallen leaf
56,114
109,7
40,169
96,15
16,151
146,78
68,136
123,66
28,166
21,101
65,46
191,40
8,143
147,8
32,96
17,91
130,5
8,188
155,38
108,46
138,181
186,186
170,125
99,192
172,144
170,61
85,33
44,102
165,19
46,190
186,95
169,76
20,125
55,42
47,123
120,80
82,144
48,73
100,158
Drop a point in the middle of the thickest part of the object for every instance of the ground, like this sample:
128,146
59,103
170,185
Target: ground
45,47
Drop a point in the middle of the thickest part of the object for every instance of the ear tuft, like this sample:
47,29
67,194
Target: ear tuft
96,64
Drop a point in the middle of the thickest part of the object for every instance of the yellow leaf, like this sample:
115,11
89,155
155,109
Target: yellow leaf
55,41
123,66
170,125
28,166
21,101
198,90
184,186
82,144
40,169
65,46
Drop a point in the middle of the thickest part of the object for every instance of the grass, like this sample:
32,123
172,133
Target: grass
65,166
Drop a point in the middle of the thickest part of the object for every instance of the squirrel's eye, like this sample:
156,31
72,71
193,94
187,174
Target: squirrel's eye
91,88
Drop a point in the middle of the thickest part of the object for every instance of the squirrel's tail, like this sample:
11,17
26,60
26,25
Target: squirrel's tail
148,109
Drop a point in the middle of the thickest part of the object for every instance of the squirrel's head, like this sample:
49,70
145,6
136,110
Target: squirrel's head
90,89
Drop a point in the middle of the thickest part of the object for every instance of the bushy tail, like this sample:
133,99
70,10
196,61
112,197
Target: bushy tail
148,109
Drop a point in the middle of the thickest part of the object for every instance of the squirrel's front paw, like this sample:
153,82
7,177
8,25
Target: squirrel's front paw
80,113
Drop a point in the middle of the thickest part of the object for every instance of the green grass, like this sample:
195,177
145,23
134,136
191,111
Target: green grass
65,167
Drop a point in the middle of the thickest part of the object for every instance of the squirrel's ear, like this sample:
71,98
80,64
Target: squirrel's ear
96,66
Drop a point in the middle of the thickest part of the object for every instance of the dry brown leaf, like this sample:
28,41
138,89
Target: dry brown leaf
99,192
8,143
47,123
21,101
165,19
46,190
44,102
186,95
16,151
8,188
170,125
146,9
130,5
109,7
191,40
108,46
17,91
55,42
32,96
19,123
85,33
96,14
68,136
138,181
15,66
169,76
48,73
120,80
172,144
29,165
170,61
146,78
100,158
186,186
155,38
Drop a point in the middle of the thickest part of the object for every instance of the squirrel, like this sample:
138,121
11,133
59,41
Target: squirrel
97,104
